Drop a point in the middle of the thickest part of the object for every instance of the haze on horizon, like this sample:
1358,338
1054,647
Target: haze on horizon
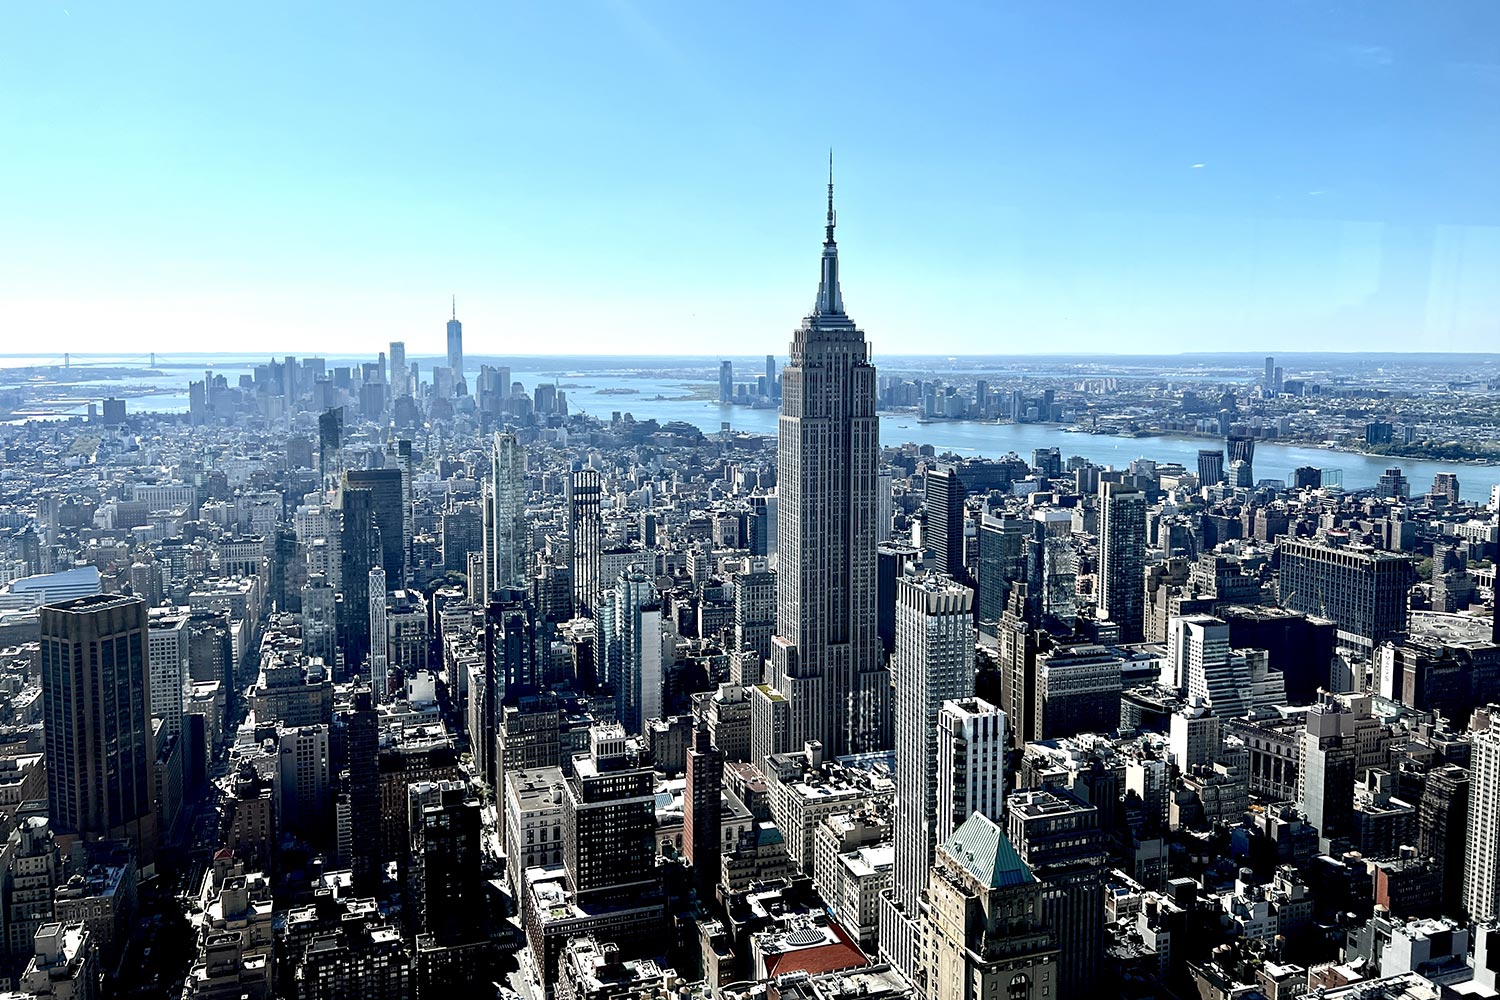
628,178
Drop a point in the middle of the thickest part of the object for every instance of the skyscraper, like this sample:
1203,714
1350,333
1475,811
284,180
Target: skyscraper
456,344
1002,562
702,813
934,663
1362,589
1122,558
362,736
726,381
609,819
629,639
773,388
825,662
1059,838
96,703
379,636
1482,867
444,828
985,934
400,377
506,540
167,649
584,537
970,764
1210,466
1241,450
388,509
945,521
359,552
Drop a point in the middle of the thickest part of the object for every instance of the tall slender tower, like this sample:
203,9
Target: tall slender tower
379,644
505,523
934,663
825,659
456,344
585,535
1122,558
1481,898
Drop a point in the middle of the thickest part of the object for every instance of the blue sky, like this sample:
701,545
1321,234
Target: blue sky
623,177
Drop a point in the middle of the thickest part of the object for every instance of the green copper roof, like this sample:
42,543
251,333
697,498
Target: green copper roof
986,853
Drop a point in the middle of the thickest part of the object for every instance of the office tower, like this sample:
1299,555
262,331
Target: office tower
1241,448
1052,570
167,653
359,552
330,440
1122,559
629,635
944,525
825,661
399,454
96,705
702,814
319,620
389,510
1077,691
1017,638
443,824
362,735
1059,838
1329,765
970,764
1482,863
760,527
1194,736
1199,663
726,382
934,663
892,561
302,782
773,388
1210,466
507,543
609,819
985,934
1361,589
456,344
1269,381
379,638
1277,375
1002,562
1442,828
1307,477
511,645
755,613
399,374
585,530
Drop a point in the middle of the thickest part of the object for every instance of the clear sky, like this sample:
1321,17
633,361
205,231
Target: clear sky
648,177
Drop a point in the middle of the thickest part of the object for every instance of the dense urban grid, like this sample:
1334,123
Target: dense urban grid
349,682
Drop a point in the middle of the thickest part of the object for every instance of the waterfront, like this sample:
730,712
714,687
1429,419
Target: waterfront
601,386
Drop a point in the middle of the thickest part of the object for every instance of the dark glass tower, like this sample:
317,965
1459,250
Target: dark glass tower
96,702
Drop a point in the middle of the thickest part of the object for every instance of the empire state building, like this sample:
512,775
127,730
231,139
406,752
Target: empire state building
826,681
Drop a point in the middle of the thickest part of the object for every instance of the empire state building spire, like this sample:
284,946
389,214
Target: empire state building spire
826,679
830,300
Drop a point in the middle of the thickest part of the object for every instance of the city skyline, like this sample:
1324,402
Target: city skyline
1153,189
